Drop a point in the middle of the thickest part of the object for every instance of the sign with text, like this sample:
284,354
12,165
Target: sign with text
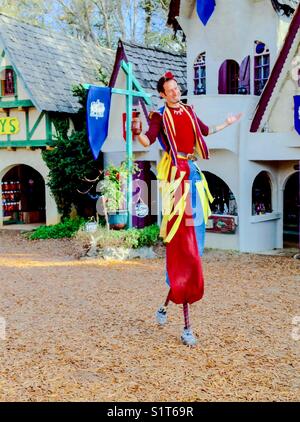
9,125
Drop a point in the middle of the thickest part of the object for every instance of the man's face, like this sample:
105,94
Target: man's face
172,92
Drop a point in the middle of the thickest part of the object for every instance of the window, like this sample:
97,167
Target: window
224,207
261,67
8,83
261,194
224,200
200,75
229,77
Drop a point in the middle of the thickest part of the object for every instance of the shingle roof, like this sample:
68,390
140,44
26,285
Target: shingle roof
50,63
149,64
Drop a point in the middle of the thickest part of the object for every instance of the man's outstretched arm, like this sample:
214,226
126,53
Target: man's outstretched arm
229,121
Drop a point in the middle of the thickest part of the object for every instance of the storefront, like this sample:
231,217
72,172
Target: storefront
224,218
291,211
23,196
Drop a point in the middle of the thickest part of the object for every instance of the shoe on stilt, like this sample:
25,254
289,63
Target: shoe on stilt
161,316
188,337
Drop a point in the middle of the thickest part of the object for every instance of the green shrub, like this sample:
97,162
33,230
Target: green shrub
149,235
131,238
67,228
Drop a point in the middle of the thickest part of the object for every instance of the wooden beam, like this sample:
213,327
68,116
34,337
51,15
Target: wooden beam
16,104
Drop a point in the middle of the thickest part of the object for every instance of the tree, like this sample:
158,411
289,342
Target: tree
156,34
31,11
100,21
71,161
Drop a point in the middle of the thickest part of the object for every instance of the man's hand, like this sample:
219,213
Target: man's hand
232,119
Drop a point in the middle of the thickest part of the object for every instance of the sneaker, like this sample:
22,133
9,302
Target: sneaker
161,316
188,337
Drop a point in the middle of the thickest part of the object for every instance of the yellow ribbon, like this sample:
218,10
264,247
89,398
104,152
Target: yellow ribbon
163,166
168,200
205,196
169,188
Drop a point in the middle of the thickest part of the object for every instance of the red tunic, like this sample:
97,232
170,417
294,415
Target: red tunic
184,267
185,137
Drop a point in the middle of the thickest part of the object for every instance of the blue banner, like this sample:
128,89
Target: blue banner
205,8
98,107
297,113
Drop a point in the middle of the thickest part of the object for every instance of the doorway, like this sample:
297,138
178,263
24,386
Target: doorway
23,196
291,212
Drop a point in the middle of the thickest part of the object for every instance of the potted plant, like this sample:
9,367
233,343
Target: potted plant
113,187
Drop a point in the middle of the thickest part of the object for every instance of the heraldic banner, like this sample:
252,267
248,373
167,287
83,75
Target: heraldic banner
98,108
297,112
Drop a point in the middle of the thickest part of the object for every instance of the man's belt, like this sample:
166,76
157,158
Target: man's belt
185,156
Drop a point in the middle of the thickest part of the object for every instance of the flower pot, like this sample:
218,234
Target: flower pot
118,220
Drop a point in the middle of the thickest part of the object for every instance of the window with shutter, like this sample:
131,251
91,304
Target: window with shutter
261,67
8,83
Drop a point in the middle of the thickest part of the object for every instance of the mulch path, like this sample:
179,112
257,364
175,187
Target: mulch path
84,330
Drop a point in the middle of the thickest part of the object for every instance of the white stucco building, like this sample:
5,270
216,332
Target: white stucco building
246,59
251,45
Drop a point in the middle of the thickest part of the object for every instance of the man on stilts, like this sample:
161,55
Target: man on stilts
185,195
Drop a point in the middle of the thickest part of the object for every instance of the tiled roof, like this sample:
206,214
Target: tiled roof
49,63
149,64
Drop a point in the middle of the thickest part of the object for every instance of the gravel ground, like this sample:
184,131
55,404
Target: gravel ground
84,330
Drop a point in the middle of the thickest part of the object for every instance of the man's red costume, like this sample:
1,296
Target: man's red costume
186,198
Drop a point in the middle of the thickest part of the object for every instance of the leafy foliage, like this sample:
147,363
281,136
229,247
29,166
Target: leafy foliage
71,160
101,21
131,238
67,228
114,185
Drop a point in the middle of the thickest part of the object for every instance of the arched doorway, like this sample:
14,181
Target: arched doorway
262,194
229,77
224,200
23,196
224,207
291,211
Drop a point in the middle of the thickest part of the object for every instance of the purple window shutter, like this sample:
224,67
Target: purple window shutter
245,74
223,78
